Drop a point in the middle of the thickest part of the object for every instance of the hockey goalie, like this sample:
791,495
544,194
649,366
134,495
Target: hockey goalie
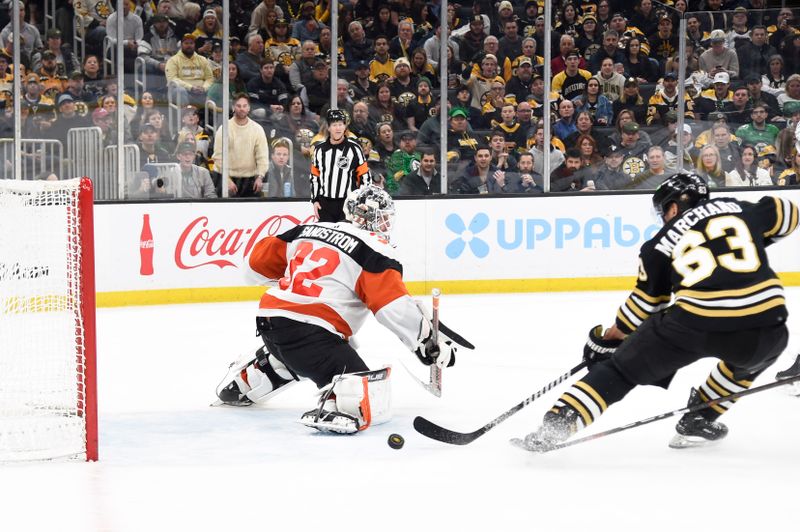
325,279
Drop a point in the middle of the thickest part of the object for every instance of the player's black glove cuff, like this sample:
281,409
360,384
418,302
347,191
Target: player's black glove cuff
597,349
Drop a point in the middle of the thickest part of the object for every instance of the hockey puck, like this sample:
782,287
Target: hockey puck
396,441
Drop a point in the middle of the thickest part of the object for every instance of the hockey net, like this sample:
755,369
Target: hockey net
48,405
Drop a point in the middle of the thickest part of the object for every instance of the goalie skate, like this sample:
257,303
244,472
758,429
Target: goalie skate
680,441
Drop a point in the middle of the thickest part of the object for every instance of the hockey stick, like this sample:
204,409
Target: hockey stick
434,431
435,380
680,411
455,337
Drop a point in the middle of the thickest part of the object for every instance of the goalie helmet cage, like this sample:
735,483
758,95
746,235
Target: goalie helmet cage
48,391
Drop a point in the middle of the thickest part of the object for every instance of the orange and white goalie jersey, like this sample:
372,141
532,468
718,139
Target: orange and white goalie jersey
332,275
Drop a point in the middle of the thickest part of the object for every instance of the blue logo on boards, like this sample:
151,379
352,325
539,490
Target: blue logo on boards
466,235
529,233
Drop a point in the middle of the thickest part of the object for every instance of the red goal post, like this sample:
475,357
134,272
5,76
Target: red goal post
48,370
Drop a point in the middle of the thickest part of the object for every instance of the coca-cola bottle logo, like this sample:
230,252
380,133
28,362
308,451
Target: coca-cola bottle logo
199,245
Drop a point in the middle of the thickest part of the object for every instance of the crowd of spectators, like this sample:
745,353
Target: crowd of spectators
613,95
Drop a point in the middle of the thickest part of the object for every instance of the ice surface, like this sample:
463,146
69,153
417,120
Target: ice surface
170,462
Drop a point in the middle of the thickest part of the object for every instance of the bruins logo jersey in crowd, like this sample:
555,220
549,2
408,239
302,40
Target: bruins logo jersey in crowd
633,165
712,260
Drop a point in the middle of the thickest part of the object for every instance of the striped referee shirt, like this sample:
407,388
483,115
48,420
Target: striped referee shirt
336,169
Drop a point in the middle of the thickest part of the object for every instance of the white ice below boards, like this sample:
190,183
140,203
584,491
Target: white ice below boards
169,462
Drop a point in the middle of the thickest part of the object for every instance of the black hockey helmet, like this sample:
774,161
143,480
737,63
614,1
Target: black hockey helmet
371,208
335,115
687,189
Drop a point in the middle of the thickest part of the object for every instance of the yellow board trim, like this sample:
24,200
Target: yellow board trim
173,296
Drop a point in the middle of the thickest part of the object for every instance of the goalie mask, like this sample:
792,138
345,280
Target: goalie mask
371,208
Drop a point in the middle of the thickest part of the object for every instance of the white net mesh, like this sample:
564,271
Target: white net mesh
42,364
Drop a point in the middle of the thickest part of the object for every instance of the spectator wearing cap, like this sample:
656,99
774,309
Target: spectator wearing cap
191,131
66,62
481,83
631,100
76,88
609,175
571,82
519,86
40,105
633,144
103,120
208,32
259,17
505,13
67,118
404,85
381,67
307,27
718,59
664,42
189,73
471,42
362,87
132,35
196,181
537,98
589,38
53,81
402,162
717,98
29,36
248,151
461,144
665,99
527,21
283,49
739,32
671,148
317,92
420,108
266,91
619,23
163,44
149,149
754,55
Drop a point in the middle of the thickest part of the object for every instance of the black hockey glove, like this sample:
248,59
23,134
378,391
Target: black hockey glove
443,352
597,349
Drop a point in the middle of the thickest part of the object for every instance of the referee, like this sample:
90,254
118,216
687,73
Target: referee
337,167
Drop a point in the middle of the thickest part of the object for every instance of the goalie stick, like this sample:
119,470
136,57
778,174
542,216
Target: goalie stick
685,410
436,432
435,380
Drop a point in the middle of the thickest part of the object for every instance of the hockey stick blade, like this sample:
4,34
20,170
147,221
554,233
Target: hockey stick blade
436,432
665,415
454,336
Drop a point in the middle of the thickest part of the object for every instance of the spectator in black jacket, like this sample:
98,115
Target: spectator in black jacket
423,181
754,56
266,91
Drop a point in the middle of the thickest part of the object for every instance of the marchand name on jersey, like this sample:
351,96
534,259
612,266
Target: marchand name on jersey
690,218
341,240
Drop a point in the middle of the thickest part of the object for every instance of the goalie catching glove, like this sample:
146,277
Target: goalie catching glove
598,349
442,352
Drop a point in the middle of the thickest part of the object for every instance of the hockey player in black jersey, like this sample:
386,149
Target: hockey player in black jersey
704,289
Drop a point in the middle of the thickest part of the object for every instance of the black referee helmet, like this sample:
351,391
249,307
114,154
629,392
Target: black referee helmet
336,115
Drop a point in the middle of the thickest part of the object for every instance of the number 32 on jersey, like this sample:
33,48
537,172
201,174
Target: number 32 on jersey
307,265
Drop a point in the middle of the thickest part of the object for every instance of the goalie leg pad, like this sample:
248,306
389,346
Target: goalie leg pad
352,403
254,379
